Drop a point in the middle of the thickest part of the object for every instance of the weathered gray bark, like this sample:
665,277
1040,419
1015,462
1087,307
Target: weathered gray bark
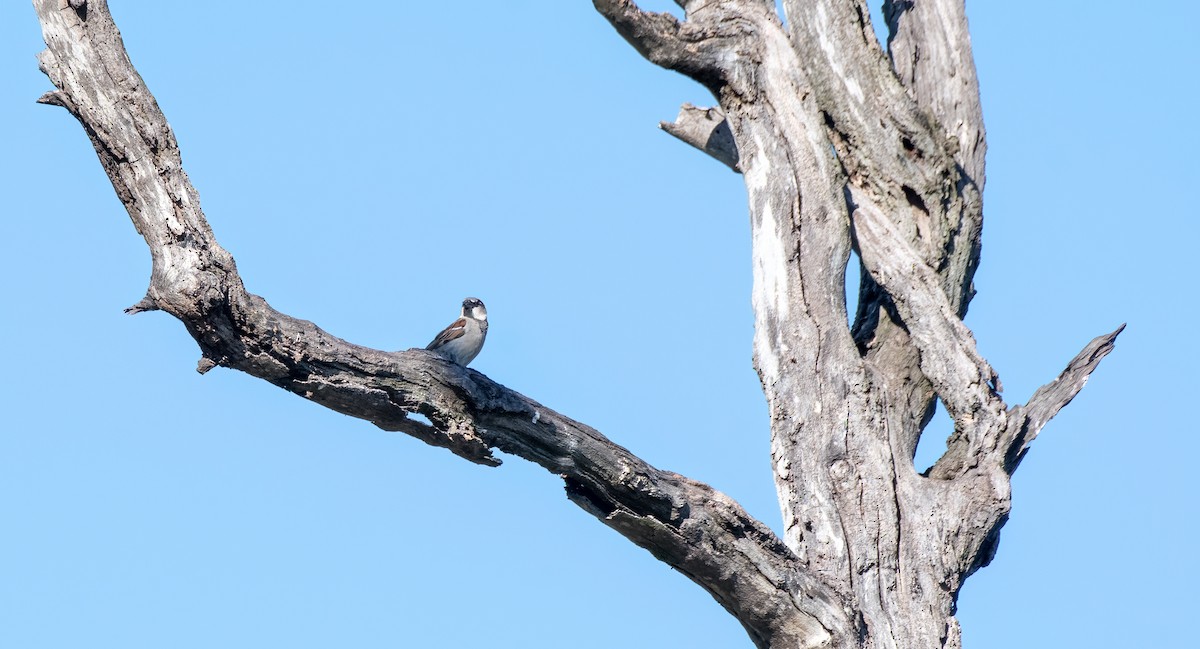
842,150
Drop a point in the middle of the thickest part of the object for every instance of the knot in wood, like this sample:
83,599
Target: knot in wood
842,472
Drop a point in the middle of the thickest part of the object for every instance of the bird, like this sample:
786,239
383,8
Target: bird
461,341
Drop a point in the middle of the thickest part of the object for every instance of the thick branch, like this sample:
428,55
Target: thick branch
692,527
846,413
930,48
888,143
664,40
963,379
896,153
654,35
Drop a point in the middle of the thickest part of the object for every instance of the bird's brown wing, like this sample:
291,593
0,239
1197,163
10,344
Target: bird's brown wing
455,330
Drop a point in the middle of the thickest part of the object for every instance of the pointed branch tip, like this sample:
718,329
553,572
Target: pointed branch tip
145,304
1055,395
53,98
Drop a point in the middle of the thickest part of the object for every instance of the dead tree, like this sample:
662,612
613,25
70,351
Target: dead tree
844,148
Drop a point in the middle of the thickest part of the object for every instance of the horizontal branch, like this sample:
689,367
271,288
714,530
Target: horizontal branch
707,130
689,525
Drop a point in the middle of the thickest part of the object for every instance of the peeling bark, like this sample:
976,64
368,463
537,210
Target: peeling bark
843,148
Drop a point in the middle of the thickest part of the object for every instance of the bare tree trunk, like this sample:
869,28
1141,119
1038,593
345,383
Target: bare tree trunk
843,150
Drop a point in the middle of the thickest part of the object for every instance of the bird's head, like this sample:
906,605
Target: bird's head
473,308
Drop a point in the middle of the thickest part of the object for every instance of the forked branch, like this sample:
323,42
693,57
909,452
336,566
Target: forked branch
689,525
985,431
832,144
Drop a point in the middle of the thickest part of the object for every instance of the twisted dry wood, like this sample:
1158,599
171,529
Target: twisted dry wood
841,148
689,525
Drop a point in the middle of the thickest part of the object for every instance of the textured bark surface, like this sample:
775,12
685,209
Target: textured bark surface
844,148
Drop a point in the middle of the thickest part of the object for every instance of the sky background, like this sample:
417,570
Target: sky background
370,168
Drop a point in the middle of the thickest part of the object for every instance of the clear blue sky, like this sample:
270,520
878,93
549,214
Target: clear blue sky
144,505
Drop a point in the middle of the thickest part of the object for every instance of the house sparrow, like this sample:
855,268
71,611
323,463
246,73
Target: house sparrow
462,340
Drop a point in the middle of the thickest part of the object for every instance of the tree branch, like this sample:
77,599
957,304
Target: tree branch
930,48
893,152
963,379
831,144
707,130
699,531
1023,423
984,431
977,471
656,36
698,47
1054,396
